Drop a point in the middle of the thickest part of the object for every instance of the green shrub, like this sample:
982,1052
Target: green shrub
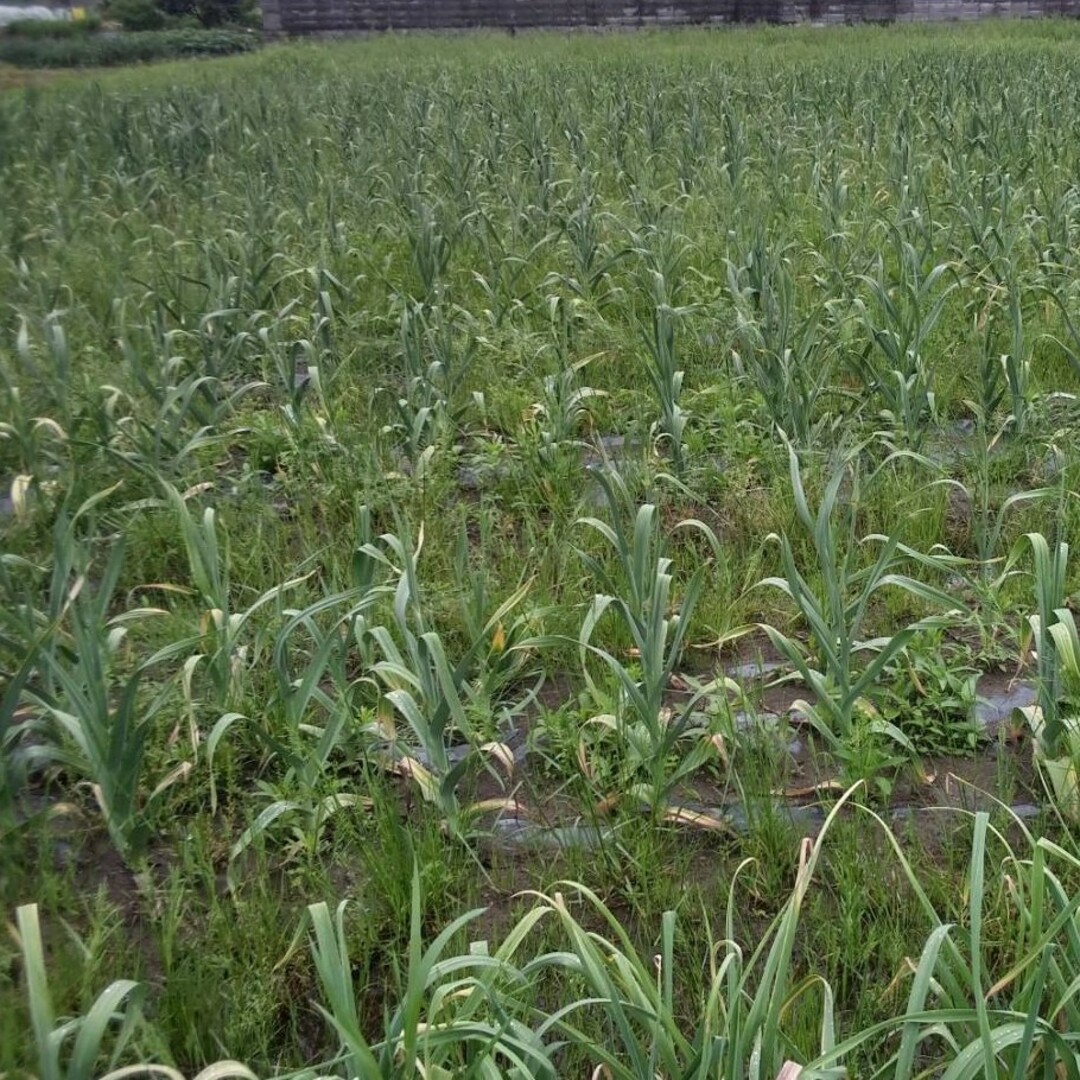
110,50
182,22
52,28
137,14
213,13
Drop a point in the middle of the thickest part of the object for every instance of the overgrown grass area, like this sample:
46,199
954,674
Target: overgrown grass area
544,557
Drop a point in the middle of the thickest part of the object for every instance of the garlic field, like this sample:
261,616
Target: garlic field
544,557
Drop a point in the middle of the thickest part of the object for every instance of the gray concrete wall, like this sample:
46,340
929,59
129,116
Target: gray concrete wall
345,16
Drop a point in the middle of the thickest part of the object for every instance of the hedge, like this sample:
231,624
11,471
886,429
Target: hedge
109,50
51,28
